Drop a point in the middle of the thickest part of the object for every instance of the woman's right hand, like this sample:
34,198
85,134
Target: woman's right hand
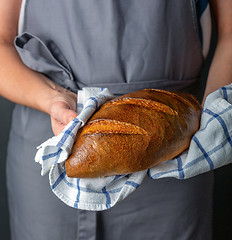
62,109
24,86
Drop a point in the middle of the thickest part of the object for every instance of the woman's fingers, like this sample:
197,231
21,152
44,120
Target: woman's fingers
61,112
61,115
57,127
62,108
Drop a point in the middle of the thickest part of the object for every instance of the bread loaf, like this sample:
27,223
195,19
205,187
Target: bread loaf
134,132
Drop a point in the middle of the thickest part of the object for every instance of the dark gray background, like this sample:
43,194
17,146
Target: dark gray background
222,192
5,120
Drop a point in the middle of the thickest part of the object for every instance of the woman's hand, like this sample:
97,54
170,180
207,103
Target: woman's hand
63,109
25,86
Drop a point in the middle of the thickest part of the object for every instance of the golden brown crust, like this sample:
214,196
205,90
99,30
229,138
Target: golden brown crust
112,126
134,132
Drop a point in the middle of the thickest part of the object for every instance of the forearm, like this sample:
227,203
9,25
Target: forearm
220,72
21,84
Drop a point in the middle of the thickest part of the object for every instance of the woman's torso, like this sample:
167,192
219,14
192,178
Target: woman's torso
122,45
125,46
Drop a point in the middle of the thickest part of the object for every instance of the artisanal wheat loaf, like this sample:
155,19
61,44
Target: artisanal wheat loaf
134,132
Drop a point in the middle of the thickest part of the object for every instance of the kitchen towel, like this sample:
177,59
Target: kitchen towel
210,148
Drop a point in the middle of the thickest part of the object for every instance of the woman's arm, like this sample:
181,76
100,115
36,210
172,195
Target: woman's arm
25,86
220,72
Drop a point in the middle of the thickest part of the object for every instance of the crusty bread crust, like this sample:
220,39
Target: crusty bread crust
134,132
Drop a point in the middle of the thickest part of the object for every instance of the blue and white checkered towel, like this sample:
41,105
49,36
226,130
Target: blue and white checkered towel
211,147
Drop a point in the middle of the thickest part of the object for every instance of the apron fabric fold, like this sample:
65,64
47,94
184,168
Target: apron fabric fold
125,46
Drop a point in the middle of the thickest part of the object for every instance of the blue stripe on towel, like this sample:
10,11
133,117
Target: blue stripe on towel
108,200
159,174
78,194
58,156
80,105
95,100
221,121
67,133
51,155
225,93
210,162
90,106
133,184
59,179
180,169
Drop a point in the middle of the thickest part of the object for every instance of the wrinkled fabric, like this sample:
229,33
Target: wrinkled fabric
120,45
124,46
204,154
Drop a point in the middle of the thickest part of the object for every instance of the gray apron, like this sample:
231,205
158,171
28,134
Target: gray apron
125,46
